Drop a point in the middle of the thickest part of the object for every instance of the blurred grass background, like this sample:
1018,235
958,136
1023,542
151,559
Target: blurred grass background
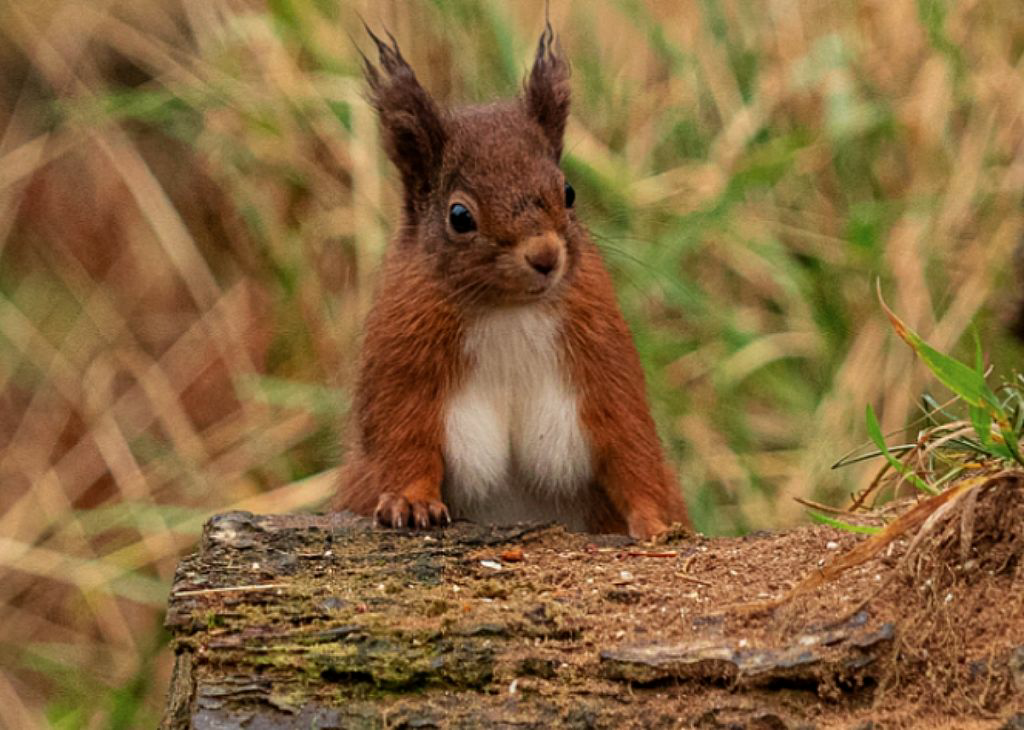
193,201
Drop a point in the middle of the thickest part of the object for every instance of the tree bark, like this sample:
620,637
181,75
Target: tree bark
330,622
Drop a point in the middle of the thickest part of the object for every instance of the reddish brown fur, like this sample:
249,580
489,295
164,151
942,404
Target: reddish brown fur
501,162
629,464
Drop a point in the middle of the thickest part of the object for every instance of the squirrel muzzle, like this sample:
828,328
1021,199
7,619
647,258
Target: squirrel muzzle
544,255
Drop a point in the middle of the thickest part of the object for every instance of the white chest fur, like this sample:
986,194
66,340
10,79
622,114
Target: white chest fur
514,449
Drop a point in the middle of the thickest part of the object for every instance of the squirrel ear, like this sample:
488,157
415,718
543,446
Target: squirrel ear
413,130
547,90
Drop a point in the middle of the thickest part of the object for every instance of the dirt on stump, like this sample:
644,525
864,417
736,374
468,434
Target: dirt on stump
329,622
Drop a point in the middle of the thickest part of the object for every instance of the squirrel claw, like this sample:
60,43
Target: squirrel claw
394,510
439,514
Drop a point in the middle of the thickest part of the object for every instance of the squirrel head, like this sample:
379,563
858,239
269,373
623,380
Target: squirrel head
484,197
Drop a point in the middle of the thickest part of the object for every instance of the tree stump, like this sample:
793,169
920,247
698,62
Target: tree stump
329,622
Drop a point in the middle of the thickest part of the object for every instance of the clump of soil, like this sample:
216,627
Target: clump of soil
959,592
952,588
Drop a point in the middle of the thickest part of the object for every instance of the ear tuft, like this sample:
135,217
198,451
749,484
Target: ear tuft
412,126
547,89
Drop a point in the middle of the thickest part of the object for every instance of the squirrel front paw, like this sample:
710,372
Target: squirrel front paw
395,510
645,527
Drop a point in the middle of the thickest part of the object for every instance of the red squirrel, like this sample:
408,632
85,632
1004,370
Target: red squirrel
499,381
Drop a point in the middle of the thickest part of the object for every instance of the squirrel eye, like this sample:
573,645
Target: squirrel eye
461,219
570,195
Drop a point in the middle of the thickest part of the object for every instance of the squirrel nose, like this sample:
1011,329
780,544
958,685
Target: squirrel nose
544,260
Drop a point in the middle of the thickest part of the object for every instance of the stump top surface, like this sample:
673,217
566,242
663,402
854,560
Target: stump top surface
329,622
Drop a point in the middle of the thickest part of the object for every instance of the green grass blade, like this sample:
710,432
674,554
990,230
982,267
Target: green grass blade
839,524
855,458
875,432
1010,442
979,357
963,380
982,423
